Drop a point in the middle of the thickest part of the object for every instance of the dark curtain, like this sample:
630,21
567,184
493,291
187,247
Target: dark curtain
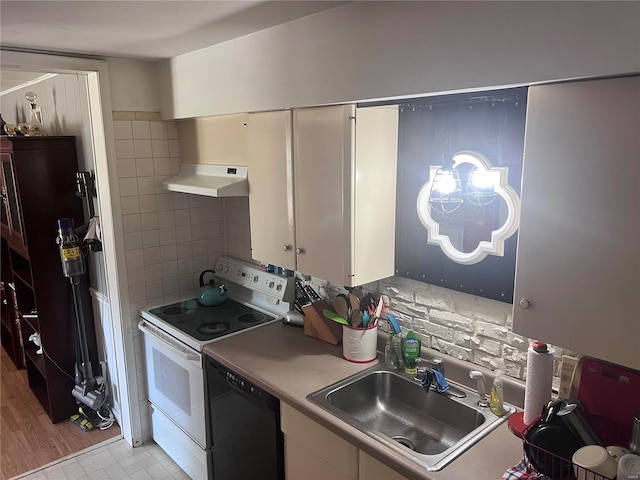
491,124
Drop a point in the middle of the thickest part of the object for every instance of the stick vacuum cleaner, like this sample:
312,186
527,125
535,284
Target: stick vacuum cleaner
89,390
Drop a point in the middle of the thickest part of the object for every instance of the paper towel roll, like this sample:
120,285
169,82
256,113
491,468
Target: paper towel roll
537,391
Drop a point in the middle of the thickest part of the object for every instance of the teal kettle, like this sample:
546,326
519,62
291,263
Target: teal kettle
209,295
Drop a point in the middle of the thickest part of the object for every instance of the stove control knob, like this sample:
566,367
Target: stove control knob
255,279
271,284
279,287
225,269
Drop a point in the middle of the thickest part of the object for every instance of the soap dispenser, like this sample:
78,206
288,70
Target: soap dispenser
496,402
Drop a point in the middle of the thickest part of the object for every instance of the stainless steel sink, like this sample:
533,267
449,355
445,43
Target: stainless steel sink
393,408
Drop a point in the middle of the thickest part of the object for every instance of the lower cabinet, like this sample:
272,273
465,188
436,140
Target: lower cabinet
371,469
312,452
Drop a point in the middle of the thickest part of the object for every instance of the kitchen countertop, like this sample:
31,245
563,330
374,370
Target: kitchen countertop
290,365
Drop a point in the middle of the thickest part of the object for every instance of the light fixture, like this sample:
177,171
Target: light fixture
445,195
489,183
480,188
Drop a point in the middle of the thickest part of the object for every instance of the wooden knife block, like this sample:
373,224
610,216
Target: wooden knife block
318,326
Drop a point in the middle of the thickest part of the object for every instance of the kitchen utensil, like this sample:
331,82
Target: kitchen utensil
335,317
394,323
570,415
209,295
617,452
634,444
342,306
365,319
368,303
596,459
356,314
378,311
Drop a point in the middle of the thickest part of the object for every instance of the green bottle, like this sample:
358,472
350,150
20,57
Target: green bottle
410,352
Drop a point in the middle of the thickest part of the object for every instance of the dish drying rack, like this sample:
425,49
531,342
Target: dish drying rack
557,467
560,468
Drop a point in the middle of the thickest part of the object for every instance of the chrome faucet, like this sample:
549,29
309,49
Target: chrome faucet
437,364
482,390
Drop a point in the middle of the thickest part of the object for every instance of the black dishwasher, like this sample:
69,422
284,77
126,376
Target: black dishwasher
244,423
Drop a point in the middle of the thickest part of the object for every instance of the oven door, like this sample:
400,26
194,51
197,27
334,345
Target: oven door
175,381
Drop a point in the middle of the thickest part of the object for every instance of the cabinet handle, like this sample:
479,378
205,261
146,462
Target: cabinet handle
286,248
299,250
524,303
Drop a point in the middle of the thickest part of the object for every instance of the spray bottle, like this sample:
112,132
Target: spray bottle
496,404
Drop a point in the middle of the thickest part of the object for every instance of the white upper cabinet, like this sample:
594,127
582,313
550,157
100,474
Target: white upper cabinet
220,140
270,188
337,193
578,265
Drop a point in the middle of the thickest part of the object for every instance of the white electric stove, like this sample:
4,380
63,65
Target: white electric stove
175,335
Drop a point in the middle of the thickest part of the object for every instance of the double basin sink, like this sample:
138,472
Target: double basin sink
430,428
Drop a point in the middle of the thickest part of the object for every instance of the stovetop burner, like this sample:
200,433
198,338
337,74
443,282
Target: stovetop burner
213,328
251,318
208,323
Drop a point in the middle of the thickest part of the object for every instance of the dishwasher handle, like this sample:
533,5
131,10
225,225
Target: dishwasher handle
168,342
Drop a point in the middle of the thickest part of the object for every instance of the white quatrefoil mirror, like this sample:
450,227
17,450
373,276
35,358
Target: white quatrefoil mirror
468,207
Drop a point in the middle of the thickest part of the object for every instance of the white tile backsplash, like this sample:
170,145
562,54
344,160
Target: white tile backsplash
125,149
129,205
161,166
131,223
126,168
141,129
148,203
146,185
158,130
142,149
144,167
132,241
160,148
128,187
149,221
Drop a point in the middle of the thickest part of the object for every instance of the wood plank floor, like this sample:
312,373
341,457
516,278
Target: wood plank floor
28,439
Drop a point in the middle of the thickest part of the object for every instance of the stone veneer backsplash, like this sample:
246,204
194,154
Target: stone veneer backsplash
464,326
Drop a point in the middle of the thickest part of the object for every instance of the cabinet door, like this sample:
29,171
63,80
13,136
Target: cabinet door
323,172
314,453
578,261
271,188
375,194
11,217
214,140
370,468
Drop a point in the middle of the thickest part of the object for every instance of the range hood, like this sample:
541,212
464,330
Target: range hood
210,180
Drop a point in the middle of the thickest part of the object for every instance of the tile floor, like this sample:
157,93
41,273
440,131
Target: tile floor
113,459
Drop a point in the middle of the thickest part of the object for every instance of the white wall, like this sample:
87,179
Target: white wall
370,50
134,85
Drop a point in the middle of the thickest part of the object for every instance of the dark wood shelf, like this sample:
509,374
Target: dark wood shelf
40,173
31,320
10,336
24,275
37,360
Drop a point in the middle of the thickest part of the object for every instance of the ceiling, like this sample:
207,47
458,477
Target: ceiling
146,30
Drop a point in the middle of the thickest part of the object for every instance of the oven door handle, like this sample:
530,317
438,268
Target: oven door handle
190,357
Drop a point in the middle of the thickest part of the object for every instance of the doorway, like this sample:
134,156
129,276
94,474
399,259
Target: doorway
97,144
